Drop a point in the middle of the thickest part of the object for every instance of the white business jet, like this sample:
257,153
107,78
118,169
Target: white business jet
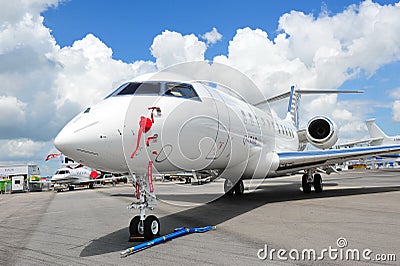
172,125
377,137
71,176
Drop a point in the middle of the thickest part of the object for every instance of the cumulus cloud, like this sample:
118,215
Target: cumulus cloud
13,11
212,36
20,148
88,72
12,111
44,85
319,52
171,48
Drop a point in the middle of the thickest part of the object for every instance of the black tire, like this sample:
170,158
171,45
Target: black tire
71,188
318,187
305,185
91,185
134,230
239,188
151,227
228,187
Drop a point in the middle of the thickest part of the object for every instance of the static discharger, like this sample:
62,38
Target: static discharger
177,233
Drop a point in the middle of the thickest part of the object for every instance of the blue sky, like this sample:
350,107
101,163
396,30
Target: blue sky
129,27
58,57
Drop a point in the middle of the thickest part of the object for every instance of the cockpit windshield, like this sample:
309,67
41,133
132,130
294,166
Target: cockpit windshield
137,88
174,89
62,172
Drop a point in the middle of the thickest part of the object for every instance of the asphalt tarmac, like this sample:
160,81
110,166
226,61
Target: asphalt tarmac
358,213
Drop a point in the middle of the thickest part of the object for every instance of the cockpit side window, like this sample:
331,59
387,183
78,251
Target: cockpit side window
117,90
181,90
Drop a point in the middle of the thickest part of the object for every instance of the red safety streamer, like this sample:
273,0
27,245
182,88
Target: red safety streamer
144,126
150,175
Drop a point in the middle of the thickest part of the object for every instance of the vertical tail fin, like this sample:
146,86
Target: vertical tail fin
294,101
374,130
294,106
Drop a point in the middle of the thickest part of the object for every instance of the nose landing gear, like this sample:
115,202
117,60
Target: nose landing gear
144,227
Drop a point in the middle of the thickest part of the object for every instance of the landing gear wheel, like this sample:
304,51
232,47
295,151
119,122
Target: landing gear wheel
91,185
318,187
305,185
135,228
239,188
228,187
151,227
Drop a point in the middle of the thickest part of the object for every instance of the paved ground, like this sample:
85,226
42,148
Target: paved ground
89,227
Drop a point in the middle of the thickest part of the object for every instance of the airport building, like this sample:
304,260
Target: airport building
17,177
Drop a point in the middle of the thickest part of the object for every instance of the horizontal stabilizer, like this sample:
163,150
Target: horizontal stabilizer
287,94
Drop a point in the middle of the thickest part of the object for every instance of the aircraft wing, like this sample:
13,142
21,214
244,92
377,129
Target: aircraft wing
65,180
290,162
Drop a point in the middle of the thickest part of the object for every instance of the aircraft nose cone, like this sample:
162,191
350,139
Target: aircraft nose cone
59,141
63,141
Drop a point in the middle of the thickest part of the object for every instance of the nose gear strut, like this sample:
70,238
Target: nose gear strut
144,227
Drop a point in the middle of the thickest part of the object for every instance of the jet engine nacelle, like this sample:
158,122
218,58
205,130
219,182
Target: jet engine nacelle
322,132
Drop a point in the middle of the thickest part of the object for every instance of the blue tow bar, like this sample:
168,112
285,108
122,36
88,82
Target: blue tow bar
177,233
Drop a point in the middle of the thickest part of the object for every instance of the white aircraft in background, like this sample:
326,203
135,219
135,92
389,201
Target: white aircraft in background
72,176
377,136
172,125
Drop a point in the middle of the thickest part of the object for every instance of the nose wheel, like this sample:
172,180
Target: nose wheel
146,229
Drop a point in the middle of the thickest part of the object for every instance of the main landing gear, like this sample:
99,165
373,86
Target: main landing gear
230,188
309,180
144,227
